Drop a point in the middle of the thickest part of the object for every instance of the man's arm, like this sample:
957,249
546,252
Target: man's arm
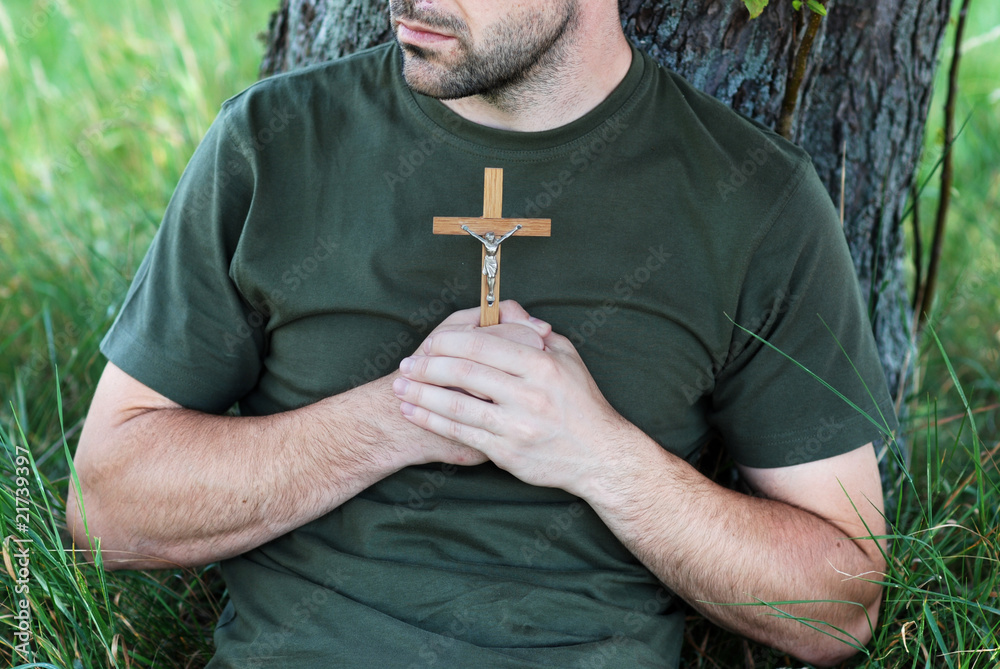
802,541
548,424
165,486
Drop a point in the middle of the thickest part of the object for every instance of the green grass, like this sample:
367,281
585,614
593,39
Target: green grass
103,105
967,311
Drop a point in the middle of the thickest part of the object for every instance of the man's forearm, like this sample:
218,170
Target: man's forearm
189,488
715,546
163,485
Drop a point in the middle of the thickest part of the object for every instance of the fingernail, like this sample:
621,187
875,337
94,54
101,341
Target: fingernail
407,408
406,365
400,386
427,344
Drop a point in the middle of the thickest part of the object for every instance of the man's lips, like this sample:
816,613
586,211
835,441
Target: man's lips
418,35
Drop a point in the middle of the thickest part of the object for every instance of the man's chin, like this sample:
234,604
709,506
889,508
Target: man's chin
433,92
419,80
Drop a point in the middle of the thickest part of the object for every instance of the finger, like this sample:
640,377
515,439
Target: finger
479,346
477,384
517,333
444,427
463,321
557,343
513,312
462,317
454,417
446,403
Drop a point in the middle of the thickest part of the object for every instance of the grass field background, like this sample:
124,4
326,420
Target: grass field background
102,104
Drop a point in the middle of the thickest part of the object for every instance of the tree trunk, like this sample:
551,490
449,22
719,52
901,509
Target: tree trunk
863,102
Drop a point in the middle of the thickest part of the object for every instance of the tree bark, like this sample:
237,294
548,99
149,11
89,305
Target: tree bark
863,102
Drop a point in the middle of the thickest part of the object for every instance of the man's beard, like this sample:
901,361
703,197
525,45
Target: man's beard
503,60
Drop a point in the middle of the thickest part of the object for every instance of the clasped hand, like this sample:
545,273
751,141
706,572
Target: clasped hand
518,393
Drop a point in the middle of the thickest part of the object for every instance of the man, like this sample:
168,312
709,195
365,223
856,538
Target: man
513,496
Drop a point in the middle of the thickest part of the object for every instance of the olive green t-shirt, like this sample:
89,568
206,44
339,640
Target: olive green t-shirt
296,261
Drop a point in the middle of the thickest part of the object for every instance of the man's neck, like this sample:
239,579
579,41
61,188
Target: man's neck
559,92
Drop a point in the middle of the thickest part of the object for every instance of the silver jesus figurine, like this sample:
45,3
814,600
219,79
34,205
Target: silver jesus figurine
490,261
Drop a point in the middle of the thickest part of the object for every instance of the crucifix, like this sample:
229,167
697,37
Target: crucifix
491,229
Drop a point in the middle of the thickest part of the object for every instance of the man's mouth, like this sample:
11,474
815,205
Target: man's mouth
409,32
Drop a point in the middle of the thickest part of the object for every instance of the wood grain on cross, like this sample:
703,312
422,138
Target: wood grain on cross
492,221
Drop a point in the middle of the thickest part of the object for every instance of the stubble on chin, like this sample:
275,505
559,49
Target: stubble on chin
499,69
426,73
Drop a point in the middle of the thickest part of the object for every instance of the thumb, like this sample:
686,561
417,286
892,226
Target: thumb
512,312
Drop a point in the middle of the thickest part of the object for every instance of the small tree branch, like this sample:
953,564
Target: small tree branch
798,73
947,171
843,182
918,249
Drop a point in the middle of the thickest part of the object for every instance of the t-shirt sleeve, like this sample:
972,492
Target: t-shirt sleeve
184,330
800,294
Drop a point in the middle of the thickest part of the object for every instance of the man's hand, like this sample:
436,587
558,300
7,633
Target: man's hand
534,411
516,329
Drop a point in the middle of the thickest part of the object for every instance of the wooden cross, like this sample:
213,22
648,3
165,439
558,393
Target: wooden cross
492,223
